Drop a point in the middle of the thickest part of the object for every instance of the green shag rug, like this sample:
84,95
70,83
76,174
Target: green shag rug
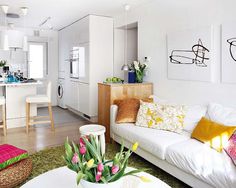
51,158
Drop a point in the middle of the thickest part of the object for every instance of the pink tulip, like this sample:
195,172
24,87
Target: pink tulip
82,150
100,167
98,176
75,158
114,169
81,142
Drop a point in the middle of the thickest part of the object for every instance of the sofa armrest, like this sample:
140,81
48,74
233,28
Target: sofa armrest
113,113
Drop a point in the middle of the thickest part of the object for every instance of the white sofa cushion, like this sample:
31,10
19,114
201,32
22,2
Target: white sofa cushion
221,114
150,140
193,116
205,163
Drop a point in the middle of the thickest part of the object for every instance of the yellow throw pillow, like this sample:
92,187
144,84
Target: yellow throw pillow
214,134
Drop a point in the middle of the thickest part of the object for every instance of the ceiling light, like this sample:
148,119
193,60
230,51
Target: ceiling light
24,10
4,8
126,7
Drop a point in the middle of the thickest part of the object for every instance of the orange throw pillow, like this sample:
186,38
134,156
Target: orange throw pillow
128,110
214,134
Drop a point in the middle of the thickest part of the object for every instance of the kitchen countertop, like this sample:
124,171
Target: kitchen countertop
20,83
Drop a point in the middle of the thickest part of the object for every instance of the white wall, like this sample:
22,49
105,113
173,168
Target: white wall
132,46
18,58
159,17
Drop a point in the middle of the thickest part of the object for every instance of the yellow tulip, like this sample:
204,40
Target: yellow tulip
145,179
90,163
135,146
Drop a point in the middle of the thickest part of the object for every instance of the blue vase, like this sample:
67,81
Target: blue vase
131,77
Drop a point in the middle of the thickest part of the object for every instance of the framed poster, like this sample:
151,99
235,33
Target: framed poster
189,55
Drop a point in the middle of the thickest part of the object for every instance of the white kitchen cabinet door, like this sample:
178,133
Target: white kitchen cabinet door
84,98
84,62
73,95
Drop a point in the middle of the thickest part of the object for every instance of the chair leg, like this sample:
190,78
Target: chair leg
27,117
51,116
4,120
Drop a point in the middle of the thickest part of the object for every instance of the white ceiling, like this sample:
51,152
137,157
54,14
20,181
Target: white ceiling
64,12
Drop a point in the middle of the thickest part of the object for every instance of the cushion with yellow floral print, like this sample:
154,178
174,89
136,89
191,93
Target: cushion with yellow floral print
163,117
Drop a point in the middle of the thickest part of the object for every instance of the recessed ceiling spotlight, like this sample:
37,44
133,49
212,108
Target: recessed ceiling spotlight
127,7
24,10
5,8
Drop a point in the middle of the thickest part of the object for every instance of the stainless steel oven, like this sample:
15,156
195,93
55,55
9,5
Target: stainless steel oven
74,62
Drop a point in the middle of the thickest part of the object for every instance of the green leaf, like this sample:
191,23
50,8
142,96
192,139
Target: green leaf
79,176
75,148
92,150
121,149
68,149
106,171
104,180
90,176
134,172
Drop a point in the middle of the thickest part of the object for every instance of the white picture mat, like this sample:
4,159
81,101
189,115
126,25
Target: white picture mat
184,40
228,64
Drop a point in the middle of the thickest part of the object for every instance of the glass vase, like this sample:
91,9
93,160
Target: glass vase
139,76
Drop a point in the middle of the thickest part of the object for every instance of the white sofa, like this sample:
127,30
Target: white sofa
186,159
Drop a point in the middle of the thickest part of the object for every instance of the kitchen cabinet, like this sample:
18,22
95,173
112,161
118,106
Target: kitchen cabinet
84,95
73,94
94,37
107,93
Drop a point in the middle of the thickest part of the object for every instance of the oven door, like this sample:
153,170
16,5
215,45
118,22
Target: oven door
74,68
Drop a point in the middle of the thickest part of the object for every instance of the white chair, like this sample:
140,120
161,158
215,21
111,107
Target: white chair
98,131
3,125
39,99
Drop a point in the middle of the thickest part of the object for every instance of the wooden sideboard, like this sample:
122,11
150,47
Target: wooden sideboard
107,93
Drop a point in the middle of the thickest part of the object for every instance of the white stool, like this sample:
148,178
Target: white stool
39,99
3,104
96,130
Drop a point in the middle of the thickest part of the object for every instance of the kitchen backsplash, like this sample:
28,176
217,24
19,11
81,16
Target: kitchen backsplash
16,60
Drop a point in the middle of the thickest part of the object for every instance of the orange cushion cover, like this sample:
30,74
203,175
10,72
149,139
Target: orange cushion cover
128,109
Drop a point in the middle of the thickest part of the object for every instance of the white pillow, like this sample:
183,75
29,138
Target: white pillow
221,114
158,100
193,116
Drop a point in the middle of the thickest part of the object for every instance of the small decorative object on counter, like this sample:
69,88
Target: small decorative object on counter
3,63
139,69
113,80
131,77
92,169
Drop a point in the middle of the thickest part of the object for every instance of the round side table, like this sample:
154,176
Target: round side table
64,178
98,131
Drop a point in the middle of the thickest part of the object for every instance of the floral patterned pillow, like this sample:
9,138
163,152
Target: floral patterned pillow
231,148
163,117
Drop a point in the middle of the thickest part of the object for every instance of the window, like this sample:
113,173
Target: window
37,60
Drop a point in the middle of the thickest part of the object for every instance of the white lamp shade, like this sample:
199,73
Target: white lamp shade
15,39
5,8
4,43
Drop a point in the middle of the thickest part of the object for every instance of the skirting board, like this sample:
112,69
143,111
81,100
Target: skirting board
164,165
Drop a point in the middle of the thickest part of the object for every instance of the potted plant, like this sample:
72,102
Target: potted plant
92,169
3,63
139,69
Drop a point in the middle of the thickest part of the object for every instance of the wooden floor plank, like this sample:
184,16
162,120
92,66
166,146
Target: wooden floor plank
41,136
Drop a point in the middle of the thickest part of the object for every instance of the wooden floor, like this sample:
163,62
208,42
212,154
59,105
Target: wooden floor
66,125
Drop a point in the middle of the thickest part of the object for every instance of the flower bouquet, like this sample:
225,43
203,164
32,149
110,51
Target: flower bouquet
92,169
139,69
